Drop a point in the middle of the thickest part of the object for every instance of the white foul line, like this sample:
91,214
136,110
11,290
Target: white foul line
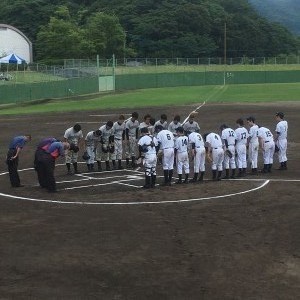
138,202
193,111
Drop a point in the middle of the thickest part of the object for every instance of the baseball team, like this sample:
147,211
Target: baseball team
149,143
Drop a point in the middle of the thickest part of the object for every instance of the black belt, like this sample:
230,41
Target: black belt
231,145
267,142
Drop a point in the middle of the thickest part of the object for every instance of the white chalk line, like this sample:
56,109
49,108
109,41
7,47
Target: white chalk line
138,202
98,184
131,185
193,111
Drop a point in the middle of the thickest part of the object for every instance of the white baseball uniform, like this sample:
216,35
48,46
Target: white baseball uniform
229,136
106,134
216,145
131,128
241,147
199,159
173,126
282,129
190,127
118,131
268,145
253,146
150,158
72,137
149,126
166,140
181,146
91,142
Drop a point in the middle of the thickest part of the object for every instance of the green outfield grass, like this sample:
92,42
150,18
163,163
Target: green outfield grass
167,97
145,69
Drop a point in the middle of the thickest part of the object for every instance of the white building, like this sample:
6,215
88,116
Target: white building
12,40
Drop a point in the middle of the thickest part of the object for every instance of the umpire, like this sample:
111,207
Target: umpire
46,163
12,158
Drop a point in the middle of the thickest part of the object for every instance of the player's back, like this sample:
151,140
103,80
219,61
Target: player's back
181,144
166,139
241,135
229,135
214,140
282,128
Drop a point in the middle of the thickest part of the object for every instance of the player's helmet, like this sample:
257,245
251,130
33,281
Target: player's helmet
158,128
144,130
77,127
180,129
280,115
109,124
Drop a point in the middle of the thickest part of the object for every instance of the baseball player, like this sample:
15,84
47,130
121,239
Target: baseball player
174,125
91,141
105,148
147,124
74,136
191,125
281,139
181,150
241,147
119,136
165,140
215,153
147,148
162,122
12,158
266,143
228,138
198,153
131,136
253,144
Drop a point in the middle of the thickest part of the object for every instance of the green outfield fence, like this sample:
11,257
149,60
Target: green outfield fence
81,77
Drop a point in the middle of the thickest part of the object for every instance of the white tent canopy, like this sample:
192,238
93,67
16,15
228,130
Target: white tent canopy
12,59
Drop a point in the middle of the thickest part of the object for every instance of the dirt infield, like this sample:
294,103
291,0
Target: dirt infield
103,237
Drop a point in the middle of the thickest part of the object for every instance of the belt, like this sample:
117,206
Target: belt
231,145
267,142
218,148
168,148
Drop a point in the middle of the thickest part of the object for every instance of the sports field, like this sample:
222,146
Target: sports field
103,237
175,96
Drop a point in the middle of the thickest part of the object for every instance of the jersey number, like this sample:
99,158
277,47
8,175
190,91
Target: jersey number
168,137
243,135
184,142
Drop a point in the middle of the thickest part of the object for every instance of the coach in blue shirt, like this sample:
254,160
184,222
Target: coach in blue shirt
12,159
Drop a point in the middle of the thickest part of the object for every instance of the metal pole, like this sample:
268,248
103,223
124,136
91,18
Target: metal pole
225,43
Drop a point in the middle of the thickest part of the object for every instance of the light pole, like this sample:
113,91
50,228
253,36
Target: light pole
124,47
225,43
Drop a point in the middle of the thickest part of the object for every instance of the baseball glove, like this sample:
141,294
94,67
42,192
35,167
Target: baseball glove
228,153
111,149
276,149
104,148
74,148
160,154
85,156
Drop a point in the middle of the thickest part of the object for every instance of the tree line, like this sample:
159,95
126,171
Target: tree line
146,28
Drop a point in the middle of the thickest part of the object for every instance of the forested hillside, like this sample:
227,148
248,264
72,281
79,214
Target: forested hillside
286,12
145,28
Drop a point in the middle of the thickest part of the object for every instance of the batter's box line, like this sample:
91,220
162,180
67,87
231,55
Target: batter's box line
99,184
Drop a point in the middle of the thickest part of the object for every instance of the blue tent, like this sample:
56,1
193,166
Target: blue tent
12,59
